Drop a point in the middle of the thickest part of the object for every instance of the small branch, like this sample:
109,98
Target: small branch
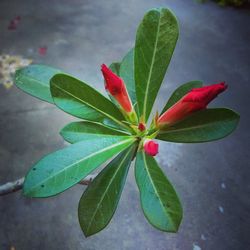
11,187
14,186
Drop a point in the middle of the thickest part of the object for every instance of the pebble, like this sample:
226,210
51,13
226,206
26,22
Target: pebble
203,237
196,247
221,209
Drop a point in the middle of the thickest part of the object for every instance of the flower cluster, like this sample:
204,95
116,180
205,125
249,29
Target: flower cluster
195,100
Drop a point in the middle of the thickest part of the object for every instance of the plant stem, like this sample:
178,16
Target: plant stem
14,186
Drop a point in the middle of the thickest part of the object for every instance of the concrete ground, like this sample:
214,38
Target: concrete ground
212,179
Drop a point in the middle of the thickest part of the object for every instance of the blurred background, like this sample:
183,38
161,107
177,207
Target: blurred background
77,36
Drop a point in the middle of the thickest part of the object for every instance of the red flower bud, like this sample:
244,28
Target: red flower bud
116,87
151,147
141,126
196,99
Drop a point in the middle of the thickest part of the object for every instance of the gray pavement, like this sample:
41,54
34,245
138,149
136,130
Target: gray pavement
212,179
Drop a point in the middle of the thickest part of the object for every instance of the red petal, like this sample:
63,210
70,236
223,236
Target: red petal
42,51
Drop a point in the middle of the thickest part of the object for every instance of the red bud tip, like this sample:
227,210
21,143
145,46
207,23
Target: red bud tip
114,83
194,100
141,126
151,147
116,87
206,94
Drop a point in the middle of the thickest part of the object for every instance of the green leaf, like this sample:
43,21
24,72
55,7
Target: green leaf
127,74
180,92
115,67
99,202
79,99
62,169
113,125
155,42
34,80
159,201
86,131
202,126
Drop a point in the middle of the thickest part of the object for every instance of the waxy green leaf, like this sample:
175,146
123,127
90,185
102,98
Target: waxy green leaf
127,74
159,200
155,42
62,169
35,79
86,131
113,125
202,126
180,92
99,202
79,99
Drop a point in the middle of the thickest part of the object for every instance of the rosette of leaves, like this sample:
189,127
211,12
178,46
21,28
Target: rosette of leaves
104,133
